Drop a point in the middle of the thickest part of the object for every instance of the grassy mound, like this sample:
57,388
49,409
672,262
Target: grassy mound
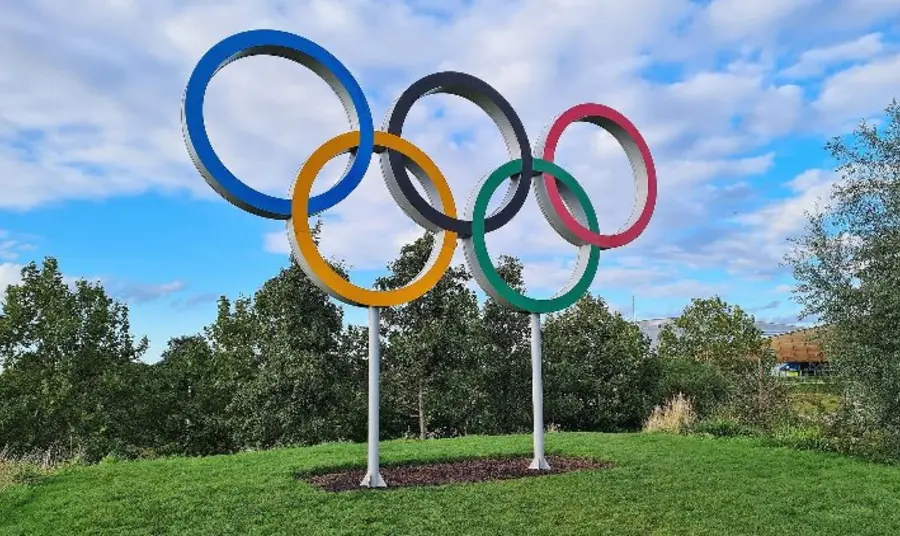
659,484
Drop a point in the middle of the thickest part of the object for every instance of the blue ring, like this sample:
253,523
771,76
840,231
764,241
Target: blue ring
299,50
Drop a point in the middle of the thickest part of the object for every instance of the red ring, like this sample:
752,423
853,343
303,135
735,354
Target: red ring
586,112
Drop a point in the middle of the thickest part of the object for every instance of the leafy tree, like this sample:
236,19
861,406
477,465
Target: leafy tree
729,352
278,355
712,331
301,390
353,354
236,361
847,265
429,343
191,400
600,374
69,366
703,383
501,381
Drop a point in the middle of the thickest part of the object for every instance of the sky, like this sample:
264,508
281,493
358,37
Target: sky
736,100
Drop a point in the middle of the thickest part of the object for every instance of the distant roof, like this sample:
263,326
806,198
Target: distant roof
799,346
651,328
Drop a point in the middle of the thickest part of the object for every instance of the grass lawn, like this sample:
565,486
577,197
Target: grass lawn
659,485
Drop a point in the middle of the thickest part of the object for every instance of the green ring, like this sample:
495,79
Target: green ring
503,291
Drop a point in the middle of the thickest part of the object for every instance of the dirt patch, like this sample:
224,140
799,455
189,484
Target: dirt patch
454,472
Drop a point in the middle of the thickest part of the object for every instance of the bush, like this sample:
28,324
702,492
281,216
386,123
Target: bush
803,438
676,416
797,385
702,383
757,399
600,374
856,431
112,458
31,468
723,427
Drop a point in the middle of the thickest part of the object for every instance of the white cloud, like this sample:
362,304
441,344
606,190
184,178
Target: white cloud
786,217
815,61
858,92
94,112
739,19
144,292
10,274
276,242
761,243
13,245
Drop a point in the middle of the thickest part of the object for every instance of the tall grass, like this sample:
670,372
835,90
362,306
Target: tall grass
674,417
30,468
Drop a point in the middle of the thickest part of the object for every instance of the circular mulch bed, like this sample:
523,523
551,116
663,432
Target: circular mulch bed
454,472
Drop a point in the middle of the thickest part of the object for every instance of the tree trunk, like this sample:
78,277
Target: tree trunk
421,411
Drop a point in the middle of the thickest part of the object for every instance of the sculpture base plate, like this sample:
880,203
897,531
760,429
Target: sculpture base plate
369,482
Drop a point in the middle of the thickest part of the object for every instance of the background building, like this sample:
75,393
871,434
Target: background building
797,350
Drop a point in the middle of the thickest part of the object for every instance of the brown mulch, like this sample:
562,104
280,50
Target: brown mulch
454,472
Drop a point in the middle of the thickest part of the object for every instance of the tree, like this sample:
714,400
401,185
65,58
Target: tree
236,361
501,381
847,266
600,374
278,356
303,386
429,342
190,399
729,353
69,366
712,331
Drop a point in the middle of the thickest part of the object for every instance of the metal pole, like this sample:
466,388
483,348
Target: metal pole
537,395
373,472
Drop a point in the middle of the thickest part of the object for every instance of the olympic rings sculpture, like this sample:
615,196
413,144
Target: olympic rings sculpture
560,197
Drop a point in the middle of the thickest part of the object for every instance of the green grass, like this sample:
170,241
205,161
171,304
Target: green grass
661,485
815,404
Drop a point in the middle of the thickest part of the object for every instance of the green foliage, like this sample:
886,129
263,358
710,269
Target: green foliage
855,431
69,367
729,352
278,368
720,426
814,404
111,459
429,352
798,384
291,390
847,264
190,400
279,372
600,374
712,331
703,383
501,387
803,438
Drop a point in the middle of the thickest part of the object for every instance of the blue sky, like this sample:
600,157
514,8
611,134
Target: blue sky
735,99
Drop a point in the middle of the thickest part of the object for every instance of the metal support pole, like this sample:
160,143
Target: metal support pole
537,395
373,472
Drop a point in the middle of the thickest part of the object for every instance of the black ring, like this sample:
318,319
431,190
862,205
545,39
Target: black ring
490,100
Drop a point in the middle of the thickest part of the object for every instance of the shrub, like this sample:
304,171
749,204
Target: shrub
112,458
757,399
674,417
702,383
30,468
856,431
721,426
600,374
802,438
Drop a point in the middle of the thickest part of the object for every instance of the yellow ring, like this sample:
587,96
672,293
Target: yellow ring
318,269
